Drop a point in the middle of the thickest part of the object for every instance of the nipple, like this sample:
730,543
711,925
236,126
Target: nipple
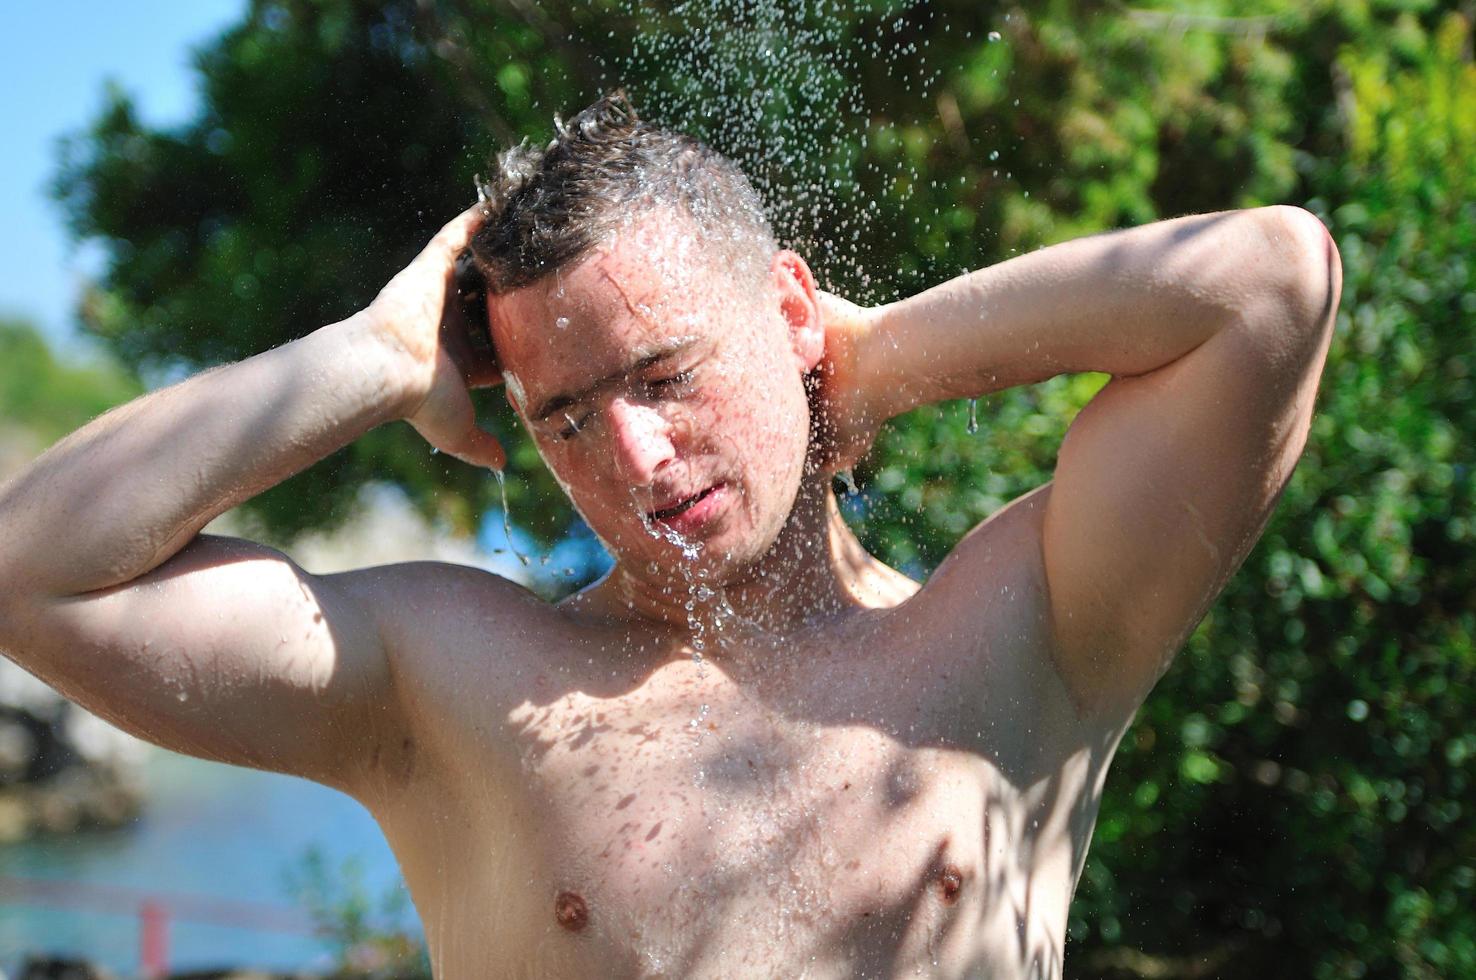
950,883
570,911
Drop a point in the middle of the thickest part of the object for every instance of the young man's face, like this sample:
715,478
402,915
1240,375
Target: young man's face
666,393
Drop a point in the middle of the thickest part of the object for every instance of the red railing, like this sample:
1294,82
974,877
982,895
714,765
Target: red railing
155,910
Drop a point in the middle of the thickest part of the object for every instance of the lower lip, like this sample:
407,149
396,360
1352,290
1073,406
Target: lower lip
699,513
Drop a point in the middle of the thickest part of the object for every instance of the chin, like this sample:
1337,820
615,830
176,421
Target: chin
728,561
721,559
731,551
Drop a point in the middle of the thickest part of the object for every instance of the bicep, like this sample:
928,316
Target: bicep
1163,484
229,652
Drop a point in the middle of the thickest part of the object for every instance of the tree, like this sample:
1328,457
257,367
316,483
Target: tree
330,145
46,397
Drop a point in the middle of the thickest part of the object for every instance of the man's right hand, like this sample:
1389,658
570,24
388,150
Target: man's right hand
223,648
418,312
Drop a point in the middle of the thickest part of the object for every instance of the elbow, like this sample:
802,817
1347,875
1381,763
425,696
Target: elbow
1303,269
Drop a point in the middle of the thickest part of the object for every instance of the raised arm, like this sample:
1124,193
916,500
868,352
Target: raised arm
211,646
1214,329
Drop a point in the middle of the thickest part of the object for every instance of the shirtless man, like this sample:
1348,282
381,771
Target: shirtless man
751,749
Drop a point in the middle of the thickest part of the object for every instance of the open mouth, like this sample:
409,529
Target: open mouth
683,506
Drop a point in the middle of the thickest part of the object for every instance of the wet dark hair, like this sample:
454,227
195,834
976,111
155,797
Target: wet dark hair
548,208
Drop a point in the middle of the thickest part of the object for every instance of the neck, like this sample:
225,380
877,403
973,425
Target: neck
815,573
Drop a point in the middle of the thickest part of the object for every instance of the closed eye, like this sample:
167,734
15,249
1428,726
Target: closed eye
670,385
678,380
574,427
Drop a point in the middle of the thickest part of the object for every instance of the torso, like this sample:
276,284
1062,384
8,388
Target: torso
905,791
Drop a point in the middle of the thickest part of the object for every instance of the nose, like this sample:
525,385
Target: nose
641,440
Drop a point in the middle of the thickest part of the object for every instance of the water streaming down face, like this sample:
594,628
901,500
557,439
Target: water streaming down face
766,83
770,84
773,85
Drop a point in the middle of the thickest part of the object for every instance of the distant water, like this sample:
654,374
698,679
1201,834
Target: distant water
226,833
211,830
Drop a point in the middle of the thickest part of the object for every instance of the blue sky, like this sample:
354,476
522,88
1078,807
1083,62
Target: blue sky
55,59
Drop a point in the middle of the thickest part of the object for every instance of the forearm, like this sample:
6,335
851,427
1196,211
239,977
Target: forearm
120,496
1124,303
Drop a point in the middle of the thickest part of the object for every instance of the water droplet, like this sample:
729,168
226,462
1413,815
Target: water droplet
973,425
849,479
696,723
562,323
994,35
506,520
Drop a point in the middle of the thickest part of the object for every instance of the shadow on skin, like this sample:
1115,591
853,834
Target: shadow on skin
1024,808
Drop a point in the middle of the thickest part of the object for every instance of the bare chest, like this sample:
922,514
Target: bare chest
693,828
853,817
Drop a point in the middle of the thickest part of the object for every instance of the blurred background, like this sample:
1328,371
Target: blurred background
192,182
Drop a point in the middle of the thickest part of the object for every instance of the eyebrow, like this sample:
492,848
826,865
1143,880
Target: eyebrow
646,356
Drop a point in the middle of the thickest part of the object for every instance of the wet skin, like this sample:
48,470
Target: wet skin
901,789
863,776
858,777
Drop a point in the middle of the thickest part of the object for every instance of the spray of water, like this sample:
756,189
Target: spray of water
506,520
699,592
769,83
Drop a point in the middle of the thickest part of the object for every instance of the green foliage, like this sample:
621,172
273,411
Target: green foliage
1296,798
368,936
331,145
49,398
1309,792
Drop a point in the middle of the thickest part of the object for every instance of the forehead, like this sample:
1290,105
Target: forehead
658,257
653,280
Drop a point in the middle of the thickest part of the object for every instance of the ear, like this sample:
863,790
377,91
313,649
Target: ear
795,287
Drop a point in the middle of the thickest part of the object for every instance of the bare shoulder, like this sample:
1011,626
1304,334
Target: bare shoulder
438,618
412,596
462,645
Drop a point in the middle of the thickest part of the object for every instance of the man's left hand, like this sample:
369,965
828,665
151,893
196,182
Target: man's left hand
848,410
